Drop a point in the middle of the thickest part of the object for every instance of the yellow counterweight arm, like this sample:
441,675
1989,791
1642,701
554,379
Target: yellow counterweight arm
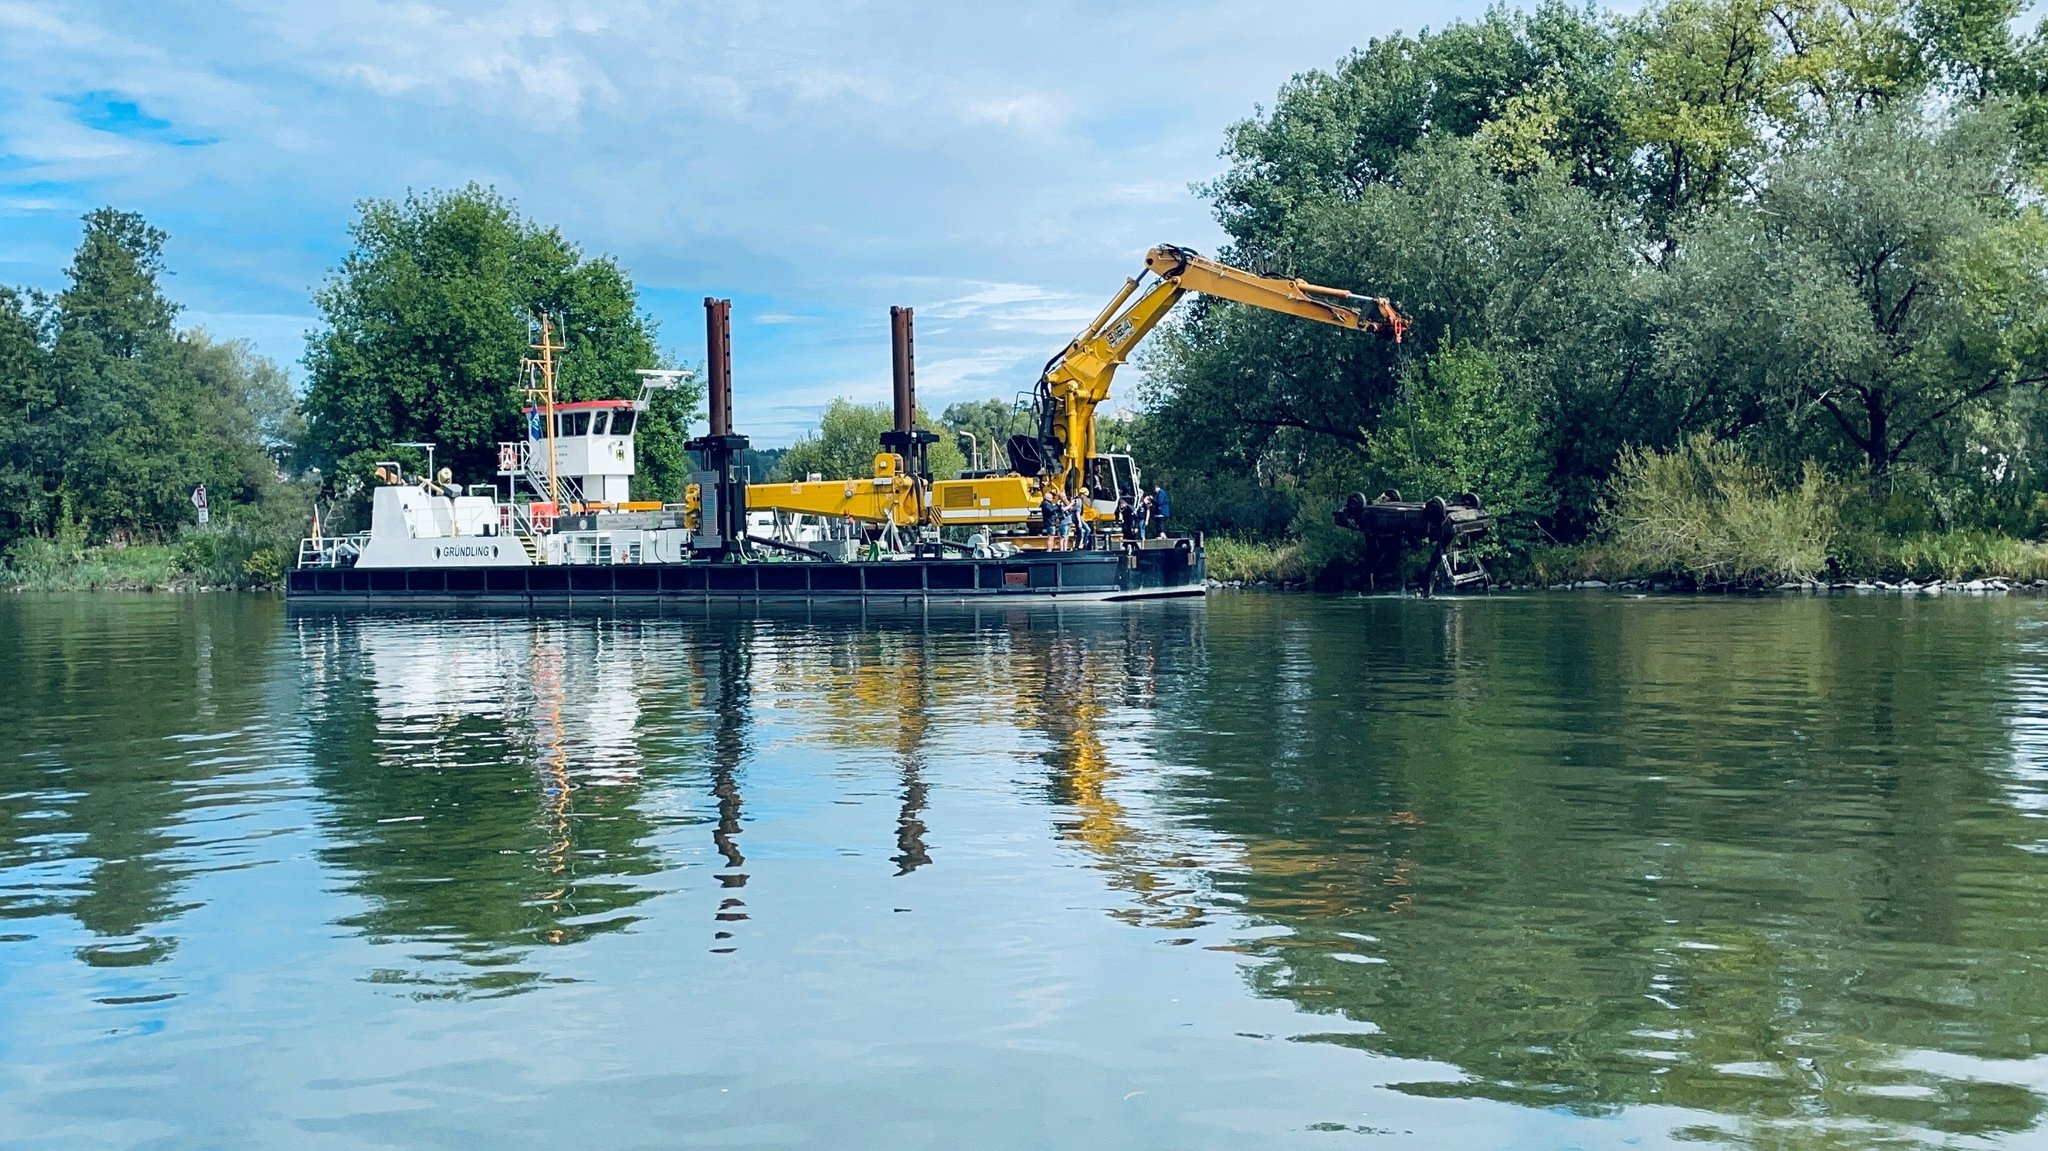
1077,380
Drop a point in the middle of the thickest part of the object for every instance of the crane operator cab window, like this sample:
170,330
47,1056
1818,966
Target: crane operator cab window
1098,479
1111,478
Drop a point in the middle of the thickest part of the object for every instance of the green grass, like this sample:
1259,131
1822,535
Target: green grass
1951,555
1247,561
40,565
1954,556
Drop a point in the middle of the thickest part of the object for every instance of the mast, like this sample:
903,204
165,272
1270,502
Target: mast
540,375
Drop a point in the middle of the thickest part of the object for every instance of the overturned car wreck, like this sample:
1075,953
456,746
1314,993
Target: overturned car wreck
1394,527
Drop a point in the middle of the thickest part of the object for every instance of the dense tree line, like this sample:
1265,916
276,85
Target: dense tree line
110,415
1811,230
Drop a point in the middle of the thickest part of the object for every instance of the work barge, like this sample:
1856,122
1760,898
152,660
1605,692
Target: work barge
561,525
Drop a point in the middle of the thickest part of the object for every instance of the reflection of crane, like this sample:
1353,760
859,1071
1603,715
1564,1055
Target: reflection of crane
887,680
911,852
1068,708
1061,457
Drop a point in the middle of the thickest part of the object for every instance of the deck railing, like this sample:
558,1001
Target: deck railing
331,551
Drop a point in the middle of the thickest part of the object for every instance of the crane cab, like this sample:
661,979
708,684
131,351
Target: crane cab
1111,478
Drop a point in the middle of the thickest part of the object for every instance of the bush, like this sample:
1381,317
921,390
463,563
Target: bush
1705,510
245,552
1953,555
42,564
265,567
1249,561
36,561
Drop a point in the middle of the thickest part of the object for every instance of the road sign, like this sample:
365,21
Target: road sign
199,501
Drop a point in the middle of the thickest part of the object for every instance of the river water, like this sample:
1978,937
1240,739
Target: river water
1572,870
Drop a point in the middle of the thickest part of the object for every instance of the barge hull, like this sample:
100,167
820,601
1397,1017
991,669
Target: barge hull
1144,573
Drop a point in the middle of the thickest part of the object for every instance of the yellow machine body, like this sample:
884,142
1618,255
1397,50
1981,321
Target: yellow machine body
984,500
888,496
1075,383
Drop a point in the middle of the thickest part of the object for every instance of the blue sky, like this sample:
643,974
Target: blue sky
1001,168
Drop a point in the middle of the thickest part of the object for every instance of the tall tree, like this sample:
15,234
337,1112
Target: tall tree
1887,282
125,401
1532,271
426,320
26,400
1548,81
114,296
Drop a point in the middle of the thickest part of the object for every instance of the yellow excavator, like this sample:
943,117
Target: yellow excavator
1061,458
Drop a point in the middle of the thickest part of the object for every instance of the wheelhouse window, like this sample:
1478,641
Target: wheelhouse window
600,422
622,421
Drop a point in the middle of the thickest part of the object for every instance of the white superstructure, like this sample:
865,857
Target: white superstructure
566,499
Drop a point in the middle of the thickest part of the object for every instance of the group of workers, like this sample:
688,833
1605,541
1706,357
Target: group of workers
1142,518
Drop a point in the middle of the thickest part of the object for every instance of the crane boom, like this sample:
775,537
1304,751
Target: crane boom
1077,381
1074,383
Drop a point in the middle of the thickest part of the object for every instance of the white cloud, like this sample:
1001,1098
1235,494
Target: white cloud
1018,307
1000,168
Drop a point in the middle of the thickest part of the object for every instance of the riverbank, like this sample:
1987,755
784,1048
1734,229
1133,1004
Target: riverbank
201,561
138,567
1954,561
1673,587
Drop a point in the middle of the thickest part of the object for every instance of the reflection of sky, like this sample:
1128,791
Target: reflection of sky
2027,781
1037,982
578,688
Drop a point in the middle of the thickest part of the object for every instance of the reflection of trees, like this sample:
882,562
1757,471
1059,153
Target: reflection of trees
116,709
1739,857
481,781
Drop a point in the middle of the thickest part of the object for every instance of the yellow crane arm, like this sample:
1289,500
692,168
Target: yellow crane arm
1077,380
887,496
1074,383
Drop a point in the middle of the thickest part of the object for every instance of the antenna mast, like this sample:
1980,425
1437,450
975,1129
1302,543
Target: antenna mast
540,387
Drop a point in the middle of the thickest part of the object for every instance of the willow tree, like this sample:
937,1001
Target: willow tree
1885,283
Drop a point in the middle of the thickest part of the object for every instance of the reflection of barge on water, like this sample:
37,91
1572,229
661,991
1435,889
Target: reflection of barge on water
570,530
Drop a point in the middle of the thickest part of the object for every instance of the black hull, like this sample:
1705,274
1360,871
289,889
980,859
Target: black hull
1148,573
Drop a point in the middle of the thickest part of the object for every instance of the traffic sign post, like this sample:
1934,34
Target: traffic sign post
199,501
